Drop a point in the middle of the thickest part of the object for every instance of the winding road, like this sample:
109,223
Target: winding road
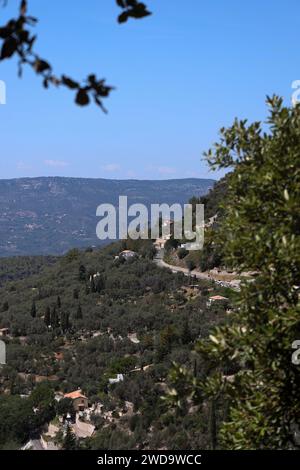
193,274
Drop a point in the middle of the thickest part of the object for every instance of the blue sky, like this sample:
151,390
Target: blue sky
180,75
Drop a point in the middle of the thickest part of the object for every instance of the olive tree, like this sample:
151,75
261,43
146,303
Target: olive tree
249,360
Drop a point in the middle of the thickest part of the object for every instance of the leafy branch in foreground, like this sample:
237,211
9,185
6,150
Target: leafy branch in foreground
132,9
19,41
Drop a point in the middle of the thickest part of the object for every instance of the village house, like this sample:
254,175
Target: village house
118,379
4,332
80,401
127,254
217,298
94,276
133,338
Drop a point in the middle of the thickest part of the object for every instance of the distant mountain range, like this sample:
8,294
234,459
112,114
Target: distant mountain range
50,215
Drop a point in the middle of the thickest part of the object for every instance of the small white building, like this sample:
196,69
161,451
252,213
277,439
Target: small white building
94,276
4,332
133,338
127,254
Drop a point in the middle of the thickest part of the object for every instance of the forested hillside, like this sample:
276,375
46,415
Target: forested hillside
211,256
46,216
19,267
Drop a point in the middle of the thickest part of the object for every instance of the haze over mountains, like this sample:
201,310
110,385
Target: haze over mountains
50,215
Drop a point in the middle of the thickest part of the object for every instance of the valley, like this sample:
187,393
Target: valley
49,216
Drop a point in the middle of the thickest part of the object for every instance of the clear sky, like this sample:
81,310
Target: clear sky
180,75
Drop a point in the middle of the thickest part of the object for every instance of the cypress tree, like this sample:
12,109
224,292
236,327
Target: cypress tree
100,284
69,440
93,287
79,313
186,336
75,294
82,273
54,318
47,317
33,310
65,321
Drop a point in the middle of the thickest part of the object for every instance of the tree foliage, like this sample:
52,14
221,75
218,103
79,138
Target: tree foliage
260,231
18,40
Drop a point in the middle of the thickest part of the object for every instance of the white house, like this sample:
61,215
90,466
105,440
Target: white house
127,254
118,379
4,331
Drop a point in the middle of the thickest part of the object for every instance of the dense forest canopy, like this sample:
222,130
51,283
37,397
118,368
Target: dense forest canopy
85,317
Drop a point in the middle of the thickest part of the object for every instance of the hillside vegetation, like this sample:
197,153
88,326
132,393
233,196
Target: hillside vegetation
92,315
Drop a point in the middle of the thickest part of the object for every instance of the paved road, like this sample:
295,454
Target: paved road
179,269
194,274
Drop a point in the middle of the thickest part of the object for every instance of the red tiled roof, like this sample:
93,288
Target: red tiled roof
74,395
218,297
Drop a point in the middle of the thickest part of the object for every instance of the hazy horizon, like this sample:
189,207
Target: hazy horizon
109,179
